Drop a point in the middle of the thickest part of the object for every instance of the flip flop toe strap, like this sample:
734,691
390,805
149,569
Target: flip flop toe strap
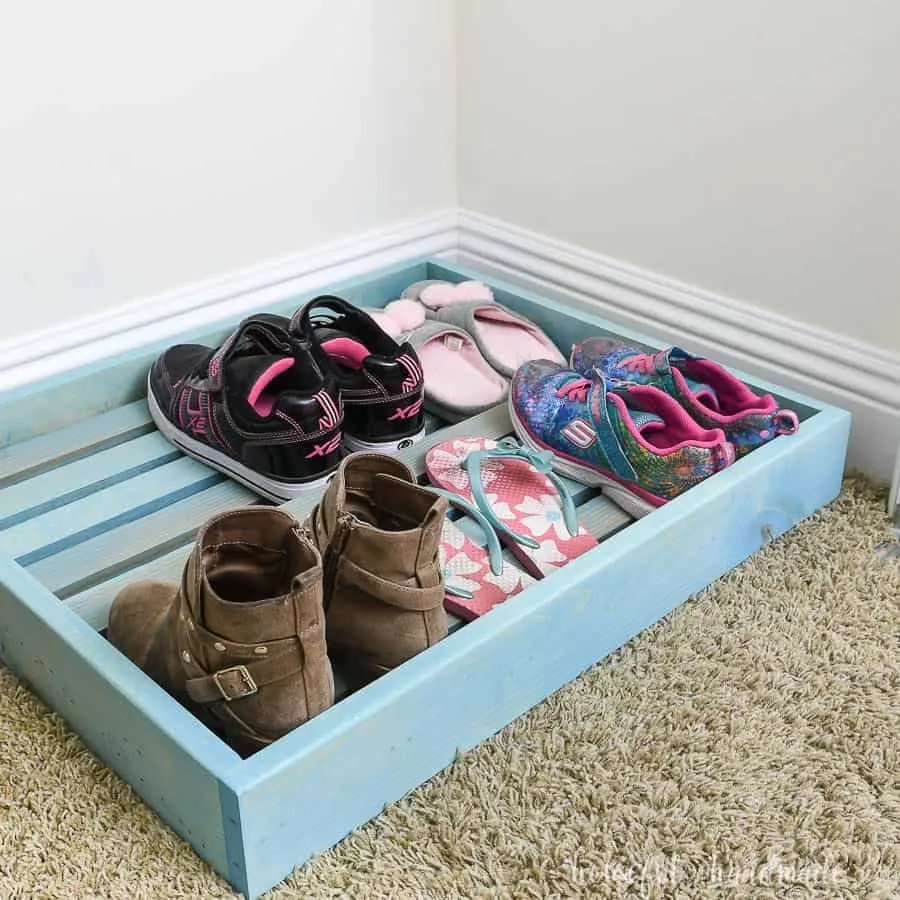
493,543
541,461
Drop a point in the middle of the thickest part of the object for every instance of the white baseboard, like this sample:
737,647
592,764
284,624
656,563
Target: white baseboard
894,495
33,356
858,377
845,372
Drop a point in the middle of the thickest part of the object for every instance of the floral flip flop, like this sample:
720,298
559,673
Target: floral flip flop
476,579
514,488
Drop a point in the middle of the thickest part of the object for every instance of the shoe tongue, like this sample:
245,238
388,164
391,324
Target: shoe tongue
701,391
641,418
704,393
644,420
252,377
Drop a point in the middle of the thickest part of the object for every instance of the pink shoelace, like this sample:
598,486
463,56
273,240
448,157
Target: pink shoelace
575,390
642,362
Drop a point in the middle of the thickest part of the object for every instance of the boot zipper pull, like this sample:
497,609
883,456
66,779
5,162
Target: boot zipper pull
335,547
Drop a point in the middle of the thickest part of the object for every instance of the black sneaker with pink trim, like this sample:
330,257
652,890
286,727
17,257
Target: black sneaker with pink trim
381,381
259,408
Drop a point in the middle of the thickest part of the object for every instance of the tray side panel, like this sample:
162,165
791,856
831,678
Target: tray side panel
313,787
161,750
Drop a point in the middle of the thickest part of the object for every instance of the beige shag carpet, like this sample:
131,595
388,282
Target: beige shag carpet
744,747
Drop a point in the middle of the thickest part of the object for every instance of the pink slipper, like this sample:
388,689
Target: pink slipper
505,339
459,383
516,490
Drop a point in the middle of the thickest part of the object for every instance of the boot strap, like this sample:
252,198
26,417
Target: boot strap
412,598
243,680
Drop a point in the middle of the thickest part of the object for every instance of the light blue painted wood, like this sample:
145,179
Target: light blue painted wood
380,742
29,458
98,559
92,605
37,538
74,480
602,518
251,819
172,761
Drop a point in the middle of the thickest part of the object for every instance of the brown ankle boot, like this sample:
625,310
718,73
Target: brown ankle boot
378,533
241,642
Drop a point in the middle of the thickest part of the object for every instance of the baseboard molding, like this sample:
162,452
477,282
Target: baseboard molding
848,373
33,356
894,495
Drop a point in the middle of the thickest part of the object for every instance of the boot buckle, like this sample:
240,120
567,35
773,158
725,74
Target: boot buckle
237,687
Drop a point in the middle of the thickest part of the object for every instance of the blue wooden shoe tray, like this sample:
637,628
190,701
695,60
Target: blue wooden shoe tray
91,497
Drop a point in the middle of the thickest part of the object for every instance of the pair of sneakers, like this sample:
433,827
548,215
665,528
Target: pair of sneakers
278,403
644,425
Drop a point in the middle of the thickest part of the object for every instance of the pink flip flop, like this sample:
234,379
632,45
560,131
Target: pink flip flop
517,492
476,579
505,339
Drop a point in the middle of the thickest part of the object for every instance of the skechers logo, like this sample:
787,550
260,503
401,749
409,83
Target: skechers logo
404,444
406,412
579,433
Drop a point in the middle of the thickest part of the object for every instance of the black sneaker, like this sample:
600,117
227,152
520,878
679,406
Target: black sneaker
381,381
259,409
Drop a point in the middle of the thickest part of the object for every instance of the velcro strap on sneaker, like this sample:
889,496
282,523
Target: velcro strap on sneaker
236,682
401,596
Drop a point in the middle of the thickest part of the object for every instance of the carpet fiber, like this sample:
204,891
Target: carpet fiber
745,746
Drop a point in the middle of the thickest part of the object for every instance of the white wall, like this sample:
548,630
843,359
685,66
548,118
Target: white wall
752,148
146,146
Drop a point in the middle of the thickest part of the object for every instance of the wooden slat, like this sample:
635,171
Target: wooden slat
66,483
433,423
31,457
93,604
61,528
98,559
602,517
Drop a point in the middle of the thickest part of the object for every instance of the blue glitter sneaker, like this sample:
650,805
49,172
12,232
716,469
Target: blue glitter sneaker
713,397
634,441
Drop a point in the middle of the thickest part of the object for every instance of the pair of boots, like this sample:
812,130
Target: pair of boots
241,641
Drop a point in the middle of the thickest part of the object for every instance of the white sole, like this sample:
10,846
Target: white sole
277,491
355,445
618,493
